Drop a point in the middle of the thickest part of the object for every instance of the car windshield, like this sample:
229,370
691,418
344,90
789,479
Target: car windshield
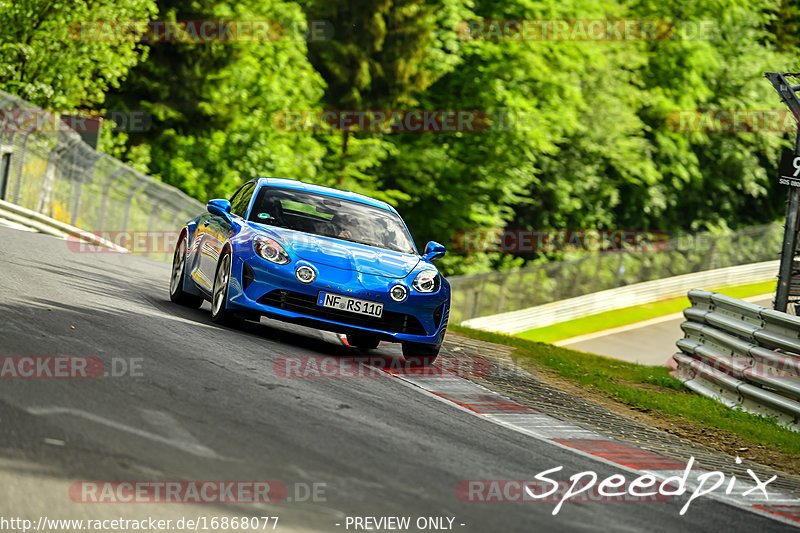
331,217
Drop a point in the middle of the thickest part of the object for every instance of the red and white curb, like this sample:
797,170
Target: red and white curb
472,398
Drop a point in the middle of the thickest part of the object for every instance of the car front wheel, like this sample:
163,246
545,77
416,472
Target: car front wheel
418,355
363,342
220,313
176,292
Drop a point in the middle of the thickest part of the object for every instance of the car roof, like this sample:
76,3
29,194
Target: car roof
327,191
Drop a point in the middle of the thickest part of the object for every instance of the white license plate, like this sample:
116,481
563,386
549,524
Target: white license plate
346,303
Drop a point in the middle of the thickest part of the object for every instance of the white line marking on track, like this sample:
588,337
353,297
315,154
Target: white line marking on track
544,433
189,446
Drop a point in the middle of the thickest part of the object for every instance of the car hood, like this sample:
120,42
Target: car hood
346,255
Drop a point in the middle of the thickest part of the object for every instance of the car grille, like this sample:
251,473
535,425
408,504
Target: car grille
307,305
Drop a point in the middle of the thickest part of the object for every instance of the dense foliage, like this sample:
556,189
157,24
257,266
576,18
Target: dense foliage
577,134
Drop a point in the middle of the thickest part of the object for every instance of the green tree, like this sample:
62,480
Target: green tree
579,134
785,25
537,95
382,55
214,103
50,59
709,180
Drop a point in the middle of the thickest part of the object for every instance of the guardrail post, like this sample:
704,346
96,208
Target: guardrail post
128,203
788,94
6,154
787,251
789,248
20,167
44,204
101,218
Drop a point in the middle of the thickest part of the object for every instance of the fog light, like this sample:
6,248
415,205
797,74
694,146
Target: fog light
398,293
305,274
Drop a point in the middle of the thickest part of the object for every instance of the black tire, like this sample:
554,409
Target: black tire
220,314
176,292
363,341
419,355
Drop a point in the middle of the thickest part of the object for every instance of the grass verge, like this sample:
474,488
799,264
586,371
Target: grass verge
630,315
652,390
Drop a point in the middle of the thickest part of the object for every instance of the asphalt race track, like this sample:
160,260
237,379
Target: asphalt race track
205,404
626,342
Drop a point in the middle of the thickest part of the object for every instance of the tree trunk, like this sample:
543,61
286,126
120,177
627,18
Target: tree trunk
345,139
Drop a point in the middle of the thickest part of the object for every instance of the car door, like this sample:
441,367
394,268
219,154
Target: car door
214,230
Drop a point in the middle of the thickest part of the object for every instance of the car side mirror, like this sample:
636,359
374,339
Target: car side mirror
220,207
433,251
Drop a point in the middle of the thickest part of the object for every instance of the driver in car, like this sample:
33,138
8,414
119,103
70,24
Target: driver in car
344,223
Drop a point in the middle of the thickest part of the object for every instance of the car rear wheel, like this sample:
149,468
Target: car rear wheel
176,292
363,342
220,313
418,355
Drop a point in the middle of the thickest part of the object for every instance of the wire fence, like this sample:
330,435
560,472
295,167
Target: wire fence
46,167
499,292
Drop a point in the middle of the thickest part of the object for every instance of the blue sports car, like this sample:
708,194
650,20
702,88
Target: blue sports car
312,255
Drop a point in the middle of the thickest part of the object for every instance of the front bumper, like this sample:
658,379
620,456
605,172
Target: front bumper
258,286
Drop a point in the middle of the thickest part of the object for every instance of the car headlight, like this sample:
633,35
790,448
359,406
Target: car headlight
270,250
426,281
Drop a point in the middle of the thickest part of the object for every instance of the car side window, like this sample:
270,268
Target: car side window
241,200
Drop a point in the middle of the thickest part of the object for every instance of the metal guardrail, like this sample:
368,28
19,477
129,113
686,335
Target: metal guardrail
36,221
609,300
741,354
46,167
